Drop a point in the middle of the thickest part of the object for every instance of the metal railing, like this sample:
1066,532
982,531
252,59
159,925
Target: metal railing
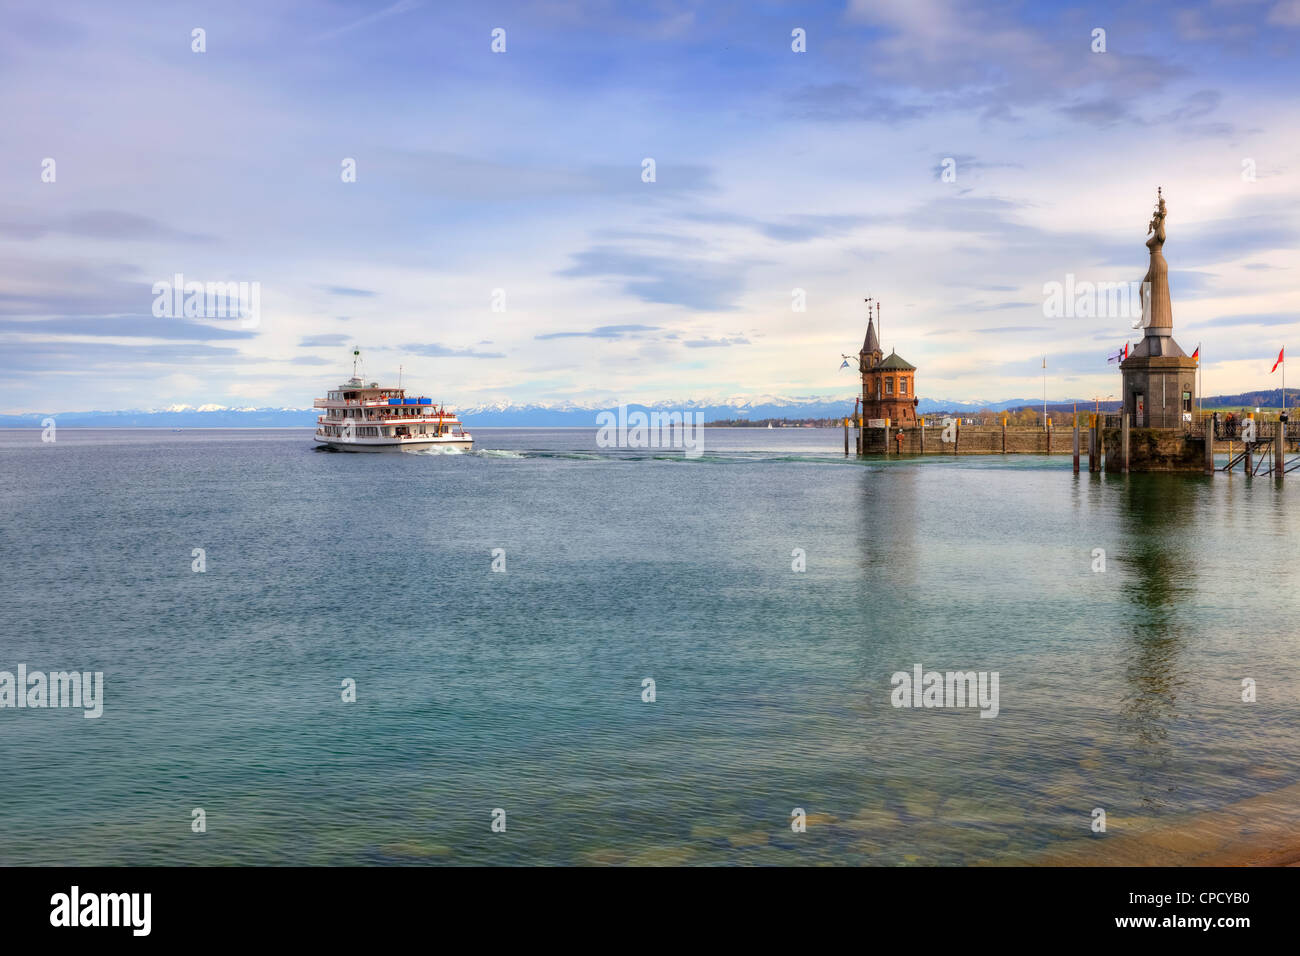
1226,429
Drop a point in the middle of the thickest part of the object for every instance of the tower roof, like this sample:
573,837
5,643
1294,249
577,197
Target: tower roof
896,361
871,343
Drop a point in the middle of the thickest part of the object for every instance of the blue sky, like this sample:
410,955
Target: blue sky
522,171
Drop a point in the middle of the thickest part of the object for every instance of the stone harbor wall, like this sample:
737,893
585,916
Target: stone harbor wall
1150,449
1155,449
971,440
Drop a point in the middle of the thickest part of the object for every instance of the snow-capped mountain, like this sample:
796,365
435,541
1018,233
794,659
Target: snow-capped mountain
503,413
173,416
743,407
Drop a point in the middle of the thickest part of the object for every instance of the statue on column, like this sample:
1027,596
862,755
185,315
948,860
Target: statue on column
1157,310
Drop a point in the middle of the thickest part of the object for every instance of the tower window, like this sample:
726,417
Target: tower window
902,386
889,386
1187,401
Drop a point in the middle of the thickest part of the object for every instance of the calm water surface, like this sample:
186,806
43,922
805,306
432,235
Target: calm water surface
522,690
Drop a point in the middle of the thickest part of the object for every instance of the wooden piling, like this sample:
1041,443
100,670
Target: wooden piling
1209,425
846,437
1279,450
1123,452
1076,444
1250,447
1004,434
1092,443
1096,440
922,424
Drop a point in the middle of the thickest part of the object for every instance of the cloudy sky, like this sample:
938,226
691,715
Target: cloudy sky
522,172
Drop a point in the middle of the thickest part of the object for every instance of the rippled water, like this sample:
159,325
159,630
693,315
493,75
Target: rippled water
522,690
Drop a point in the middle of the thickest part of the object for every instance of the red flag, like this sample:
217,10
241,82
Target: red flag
1279,360
1197,354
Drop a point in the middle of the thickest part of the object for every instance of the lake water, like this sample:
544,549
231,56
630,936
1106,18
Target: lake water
522,690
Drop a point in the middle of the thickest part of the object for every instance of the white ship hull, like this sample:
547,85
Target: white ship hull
416,442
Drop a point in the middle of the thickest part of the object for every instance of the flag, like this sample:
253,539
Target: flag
1197,354
1119,356
1278,362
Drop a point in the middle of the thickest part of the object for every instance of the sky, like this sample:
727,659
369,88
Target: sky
501,242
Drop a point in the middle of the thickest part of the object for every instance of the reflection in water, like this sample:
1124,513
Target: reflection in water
1159,558
886,511
886,523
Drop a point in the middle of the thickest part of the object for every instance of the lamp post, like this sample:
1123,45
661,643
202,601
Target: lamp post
1044,392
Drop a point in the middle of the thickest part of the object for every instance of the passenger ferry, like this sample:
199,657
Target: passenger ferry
360,417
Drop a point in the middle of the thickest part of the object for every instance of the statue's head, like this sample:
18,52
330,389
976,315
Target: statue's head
1157,223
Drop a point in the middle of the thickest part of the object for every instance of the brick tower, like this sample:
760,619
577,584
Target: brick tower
888,382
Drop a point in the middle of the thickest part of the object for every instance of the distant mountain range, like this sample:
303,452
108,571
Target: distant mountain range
503,414
569,414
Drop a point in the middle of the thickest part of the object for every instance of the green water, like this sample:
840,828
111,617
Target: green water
522,689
